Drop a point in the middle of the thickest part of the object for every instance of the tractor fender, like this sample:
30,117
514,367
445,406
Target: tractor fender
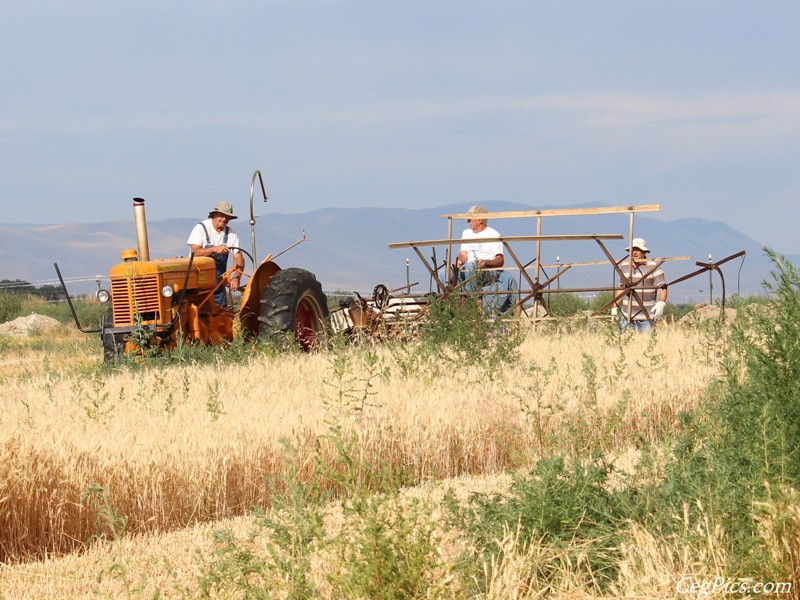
253,294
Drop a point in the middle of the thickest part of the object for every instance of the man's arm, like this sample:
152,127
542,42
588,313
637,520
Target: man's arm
200,251
461,259
619,296
661,281
492,263
238,261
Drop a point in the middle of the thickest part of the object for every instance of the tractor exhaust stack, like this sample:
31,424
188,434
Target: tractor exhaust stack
141,229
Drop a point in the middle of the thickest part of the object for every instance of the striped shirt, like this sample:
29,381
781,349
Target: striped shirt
647,281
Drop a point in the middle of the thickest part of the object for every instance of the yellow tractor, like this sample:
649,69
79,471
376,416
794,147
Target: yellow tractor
154,304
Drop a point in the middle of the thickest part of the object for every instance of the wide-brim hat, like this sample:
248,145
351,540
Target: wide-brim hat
638,243
223,208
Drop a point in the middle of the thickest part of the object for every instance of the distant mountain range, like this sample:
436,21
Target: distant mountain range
347,248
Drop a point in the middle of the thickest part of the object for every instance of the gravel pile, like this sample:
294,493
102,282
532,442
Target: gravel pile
32,324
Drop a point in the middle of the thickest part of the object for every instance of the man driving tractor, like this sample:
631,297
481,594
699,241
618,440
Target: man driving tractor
213,237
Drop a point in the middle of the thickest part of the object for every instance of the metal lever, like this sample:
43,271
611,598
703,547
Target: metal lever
252,215
297,243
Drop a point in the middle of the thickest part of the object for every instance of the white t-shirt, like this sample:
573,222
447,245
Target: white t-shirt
198,237
480,250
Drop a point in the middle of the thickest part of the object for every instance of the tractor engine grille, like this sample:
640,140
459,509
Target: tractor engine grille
132,295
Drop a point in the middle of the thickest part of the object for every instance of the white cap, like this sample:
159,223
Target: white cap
640,244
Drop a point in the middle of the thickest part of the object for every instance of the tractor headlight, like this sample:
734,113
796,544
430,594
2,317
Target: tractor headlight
103,296
167,291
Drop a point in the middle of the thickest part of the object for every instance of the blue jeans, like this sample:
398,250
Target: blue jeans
221,262
221,296
490,281
640,326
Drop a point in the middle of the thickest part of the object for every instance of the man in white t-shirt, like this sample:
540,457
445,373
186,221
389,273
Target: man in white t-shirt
475,257
213,237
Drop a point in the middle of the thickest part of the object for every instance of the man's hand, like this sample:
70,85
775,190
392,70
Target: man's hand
658,310
614,311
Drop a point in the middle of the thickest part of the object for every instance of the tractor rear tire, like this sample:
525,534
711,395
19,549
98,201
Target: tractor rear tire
293,303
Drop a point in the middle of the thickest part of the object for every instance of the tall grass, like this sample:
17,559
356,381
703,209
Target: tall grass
614,440
728,483
176,445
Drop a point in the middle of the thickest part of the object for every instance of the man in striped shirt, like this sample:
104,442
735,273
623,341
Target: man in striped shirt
647,282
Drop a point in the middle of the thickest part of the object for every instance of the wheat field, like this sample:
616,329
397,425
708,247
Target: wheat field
175,452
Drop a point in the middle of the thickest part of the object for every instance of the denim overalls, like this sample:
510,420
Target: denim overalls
221,262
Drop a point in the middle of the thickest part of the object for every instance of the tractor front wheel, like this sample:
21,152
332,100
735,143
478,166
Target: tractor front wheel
293,302
113,343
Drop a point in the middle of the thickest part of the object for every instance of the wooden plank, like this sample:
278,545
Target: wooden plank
604,262
511,238
557,212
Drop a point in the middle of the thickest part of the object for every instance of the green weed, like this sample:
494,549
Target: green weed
566,304
108,523
214,403
535,408
457,335
10,305
387,550
351,384
91,395
566,507
289,532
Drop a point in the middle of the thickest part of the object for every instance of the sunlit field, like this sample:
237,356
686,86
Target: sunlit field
141,480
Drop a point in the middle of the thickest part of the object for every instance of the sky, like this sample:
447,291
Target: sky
693,105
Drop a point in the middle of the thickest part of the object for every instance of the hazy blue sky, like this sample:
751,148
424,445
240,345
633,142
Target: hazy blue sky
690,104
